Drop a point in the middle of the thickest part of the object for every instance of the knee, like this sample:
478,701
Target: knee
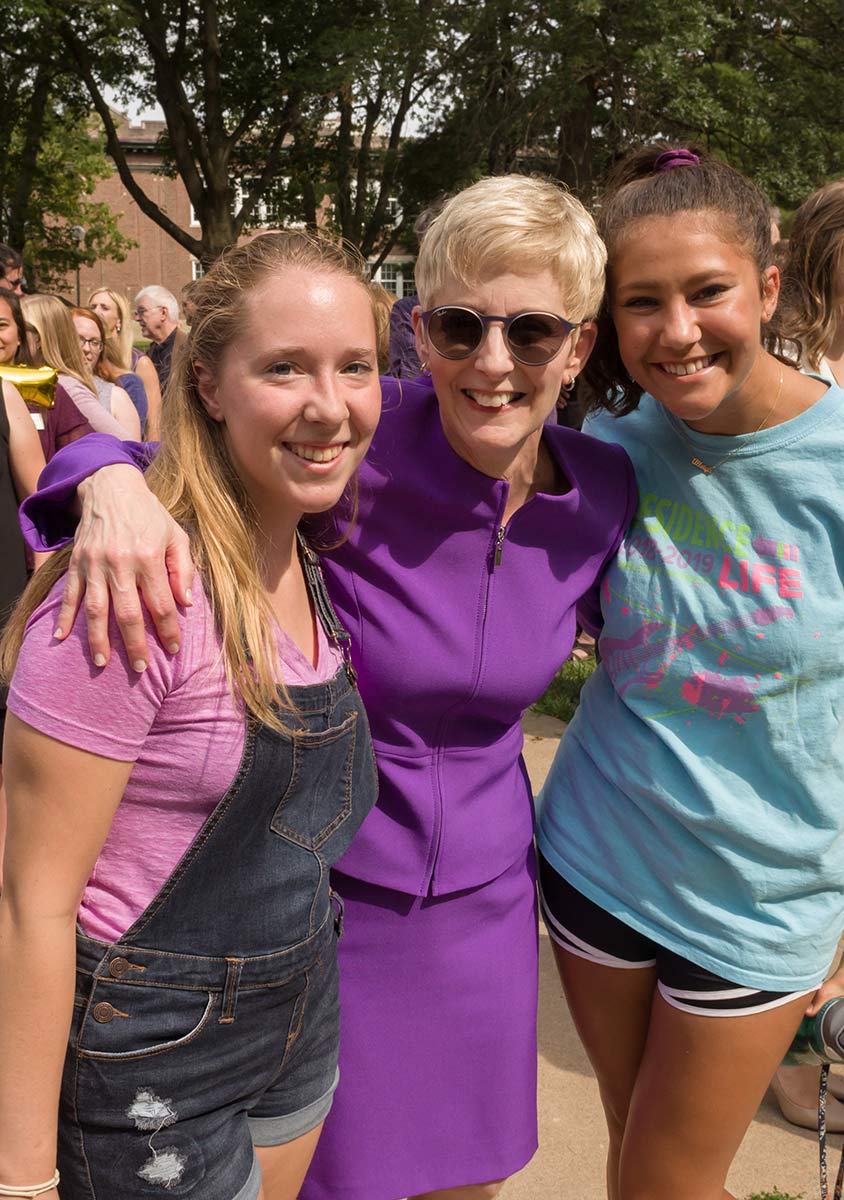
616,1109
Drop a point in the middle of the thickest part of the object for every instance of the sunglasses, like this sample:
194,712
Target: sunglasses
533,338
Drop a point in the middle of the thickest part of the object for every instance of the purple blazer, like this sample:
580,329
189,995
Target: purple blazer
457,626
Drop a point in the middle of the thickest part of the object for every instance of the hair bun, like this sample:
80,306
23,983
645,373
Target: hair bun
676,158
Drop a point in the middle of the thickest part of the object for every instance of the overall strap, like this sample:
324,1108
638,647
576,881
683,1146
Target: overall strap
322,603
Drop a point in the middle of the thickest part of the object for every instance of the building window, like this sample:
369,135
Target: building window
270,211
196,269
390,278
396,277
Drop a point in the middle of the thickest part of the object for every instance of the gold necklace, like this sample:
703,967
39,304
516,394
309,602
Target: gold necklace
707,470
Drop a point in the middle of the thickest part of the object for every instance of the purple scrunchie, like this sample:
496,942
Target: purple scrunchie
675,158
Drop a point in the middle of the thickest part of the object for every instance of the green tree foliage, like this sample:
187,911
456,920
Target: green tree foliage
566,86
269,108
359,114
52,155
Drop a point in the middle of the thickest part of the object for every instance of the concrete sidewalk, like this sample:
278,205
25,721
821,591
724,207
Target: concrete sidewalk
570,1162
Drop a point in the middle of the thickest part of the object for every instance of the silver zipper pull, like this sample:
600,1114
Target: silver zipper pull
499,543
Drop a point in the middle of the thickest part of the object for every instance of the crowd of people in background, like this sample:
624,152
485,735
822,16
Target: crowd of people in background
101,382
708,355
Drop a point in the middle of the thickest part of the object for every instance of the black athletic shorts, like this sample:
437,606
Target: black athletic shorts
590,932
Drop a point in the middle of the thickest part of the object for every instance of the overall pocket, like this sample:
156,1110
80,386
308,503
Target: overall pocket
126,1022
318,798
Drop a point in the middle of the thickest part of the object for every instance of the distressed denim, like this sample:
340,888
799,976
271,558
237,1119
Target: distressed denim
212,1025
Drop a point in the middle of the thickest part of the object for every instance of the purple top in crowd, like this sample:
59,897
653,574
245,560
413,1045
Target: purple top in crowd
457,628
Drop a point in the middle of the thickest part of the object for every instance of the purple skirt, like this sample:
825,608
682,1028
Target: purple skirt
438,1046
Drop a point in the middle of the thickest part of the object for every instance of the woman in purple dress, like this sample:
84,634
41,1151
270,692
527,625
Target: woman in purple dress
479,527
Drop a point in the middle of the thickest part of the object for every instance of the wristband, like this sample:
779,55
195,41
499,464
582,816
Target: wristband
35,1189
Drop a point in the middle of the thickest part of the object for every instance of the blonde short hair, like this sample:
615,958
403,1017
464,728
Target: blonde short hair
519,224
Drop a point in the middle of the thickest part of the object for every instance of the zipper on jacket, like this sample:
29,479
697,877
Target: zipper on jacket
500,534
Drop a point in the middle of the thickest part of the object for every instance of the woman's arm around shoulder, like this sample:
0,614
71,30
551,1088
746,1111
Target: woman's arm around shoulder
619,497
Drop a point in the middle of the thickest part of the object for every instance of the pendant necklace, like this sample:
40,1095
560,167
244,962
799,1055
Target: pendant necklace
707,470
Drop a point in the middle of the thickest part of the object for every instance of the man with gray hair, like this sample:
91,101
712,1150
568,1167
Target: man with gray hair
157,313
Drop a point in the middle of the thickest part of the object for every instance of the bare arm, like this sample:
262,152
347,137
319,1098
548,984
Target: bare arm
91,409
61,805
128,549
149,377
26,458
124,411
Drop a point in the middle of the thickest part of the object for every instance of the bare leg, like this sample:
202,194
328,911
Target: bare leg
475,1191
284,1167
2,824
699,1085
611,1010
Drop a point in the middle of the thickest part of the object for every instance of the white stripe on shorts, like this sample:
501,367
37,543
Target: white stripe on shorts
671,996
575,945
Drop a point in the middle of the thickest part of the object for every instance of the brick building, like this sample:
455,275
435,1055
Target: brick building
157,258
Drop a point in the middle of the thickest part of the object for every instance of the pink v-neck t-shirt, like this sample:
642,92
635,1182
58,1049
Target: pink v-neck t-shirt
176,722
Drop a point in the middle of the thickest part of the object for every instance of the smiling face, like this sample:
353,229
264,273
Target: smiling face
688,310
9,337
493,407
297,391
105,308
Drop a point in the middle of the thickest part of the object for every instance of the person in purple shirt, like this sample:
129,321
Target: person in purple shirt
479,528
404,357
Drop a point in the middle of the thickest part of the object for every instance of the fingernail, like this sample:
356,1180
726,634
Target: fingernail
173,647
58,632
139,665
99,660
189,596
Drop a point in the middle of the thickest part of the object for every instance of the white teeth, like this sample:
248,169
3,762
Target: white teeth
318,454
492,399
688,368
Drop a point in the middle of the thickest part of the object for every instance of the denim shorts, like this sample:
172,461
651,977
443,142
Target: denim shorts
177,1067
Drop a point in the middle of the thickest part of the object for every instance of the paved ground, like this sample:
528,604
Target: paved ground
569,1164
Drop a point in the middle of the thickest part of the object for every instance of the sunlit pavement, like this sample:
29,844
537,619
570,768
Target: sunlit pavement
570,1162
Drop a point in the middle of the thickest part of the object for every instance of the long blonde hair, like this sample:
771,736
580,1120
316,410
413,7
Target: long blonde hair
118,345
810,303
59,342
194,478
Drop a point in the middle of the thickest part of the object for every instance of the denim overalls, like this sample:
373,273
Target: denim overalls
212,1024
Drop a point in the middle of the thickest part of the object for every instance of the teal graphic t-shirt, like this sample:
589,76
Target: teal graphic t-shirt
698,794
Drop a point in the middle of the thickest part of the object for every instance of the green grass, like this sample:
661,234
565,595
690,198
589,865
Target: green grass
562,696
776,1194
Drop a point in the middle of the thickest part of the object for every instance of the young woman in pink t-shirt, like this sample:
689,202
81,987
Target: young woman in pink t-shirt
168,980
